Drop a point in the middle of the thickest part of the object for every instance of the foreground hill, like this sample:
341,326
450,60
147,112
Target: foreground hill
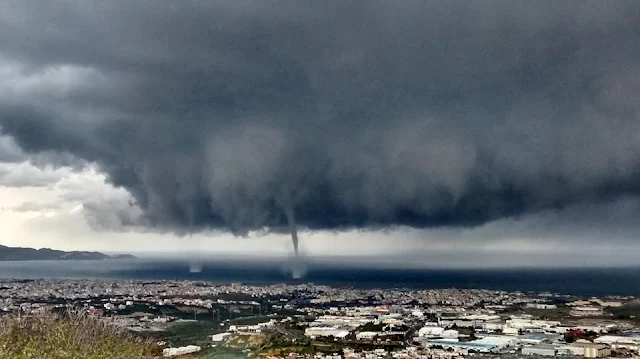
31,254
70,336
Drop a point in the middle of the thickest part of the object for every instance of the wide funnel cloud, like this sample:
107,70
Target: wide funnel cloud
246,115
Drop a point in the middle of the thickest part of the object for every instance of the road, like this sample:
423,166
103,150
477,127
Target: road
288,333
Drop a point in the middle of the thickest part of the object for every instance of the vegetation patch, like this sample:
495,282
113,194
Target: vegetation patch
248,341
629,311
69,336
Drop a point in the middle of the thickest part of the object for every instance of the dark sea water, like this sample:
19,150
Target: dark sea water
576,281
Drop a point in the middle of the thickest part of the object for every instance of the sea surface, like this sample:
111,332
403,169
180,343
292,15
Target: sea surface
573,281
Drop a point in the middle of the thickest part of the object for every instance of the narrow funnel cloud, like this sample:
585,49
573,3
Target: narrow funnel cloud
293,228
195,265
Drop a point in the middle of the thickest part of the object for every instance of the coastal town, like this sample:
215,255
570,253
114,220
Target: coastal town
209,320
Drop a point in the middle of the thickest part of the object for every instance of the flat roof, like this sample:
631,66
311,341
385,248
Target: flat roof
462,344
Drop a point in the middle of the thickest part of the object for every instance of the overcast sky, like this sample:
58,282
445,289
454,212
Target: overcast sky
438,133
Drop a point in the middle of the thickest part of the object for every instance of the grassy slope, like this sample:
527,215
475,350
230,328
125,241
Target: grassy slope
68,337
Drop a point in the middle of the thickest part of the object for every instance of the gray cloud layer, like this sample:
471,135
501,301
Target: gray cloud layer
26,175
357,114
9,151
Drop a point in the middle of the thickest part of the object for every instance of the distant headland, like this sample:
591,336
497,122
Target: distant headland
31,254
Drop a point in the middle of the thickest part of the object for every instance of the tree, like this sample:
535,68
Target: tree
569,338
331,338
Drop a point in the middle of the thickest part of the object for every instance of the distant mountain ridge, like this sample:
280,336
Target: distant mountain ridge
31,254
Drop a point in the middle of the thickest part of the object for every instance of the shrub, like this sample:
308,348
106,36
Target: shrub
69,336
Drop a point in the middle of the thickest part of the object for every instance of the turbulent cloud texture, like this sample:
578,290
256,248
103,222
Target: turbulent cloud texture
353,114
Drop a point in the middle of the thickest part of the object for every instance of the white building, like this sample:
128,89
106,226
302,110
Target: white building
491,327
341,321
605,303
220,337
189,349
573,349
314,332
450,333
510,331
529,324
430,332
246,329
619,342
393,321
596,351
367,335
586,312
540,349
498,341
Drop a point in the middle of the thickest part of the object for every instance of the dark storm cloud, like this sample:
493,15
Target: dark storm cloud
9,150
356,114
